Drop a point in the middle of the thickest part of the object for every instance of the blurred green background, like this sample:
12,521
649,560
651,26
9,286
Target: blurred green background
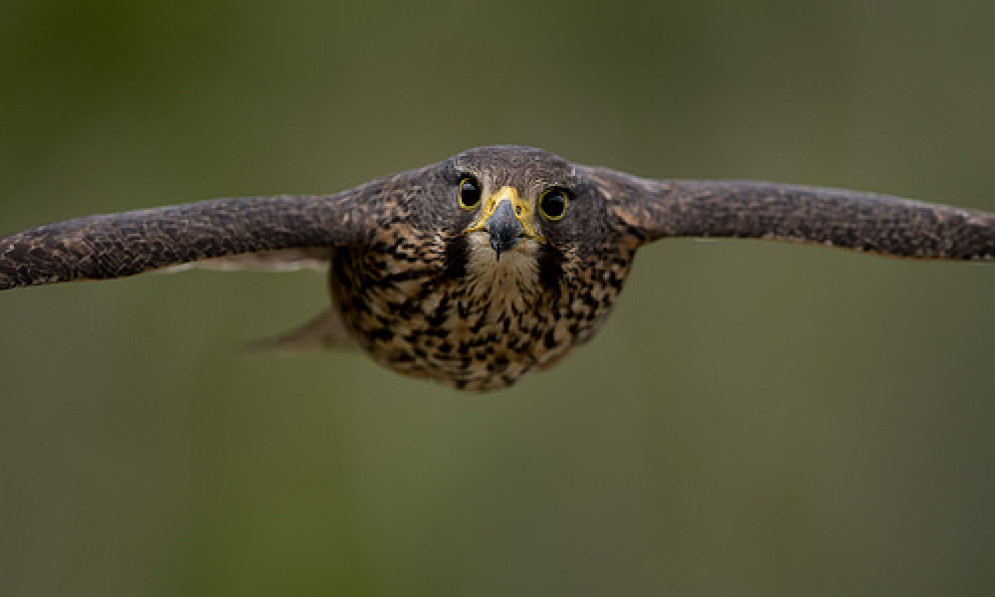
756,419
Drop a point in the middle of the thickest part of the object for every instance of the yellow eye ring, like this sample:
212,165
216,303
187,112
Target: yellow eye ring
469,193
553,204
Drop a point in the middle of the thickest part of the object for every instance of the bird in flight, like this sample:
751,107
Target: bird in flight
481,268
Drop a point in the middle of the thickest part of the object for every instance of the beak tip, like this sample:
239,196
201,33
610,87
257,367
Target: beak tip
504,229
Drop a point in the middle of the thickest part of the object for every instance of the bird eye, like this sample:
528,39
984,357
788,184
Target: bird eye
469,193
553,204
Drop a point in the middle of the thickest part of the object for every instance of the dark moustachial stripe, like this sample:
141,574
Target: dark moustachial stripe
456,256
550,266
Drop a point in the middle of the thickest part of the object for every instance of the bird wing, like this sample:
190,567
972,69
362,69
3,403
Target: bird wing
259,228
653,209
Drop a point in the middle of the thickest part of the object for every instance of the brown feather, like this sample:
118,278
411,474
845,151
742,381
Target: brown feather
124,244
421,289
861,221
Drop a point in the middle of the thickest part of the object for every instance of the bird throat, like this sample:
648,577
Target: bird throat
508,282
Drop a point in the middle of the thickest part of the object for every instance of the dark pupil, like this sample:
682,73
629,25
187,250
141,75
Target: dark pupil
553,204
469,193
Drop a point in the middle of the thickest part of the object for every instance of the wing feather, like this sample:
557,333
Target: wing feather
653,209
124,244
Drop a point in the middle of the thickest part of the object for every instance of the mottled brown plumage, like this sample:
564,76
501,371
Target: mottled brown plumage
478,269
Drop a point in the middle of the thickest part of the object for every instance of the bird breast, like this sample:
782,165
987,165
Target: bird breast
479,326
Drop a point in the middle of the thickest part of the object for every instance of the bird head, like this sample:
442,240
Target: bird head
519,208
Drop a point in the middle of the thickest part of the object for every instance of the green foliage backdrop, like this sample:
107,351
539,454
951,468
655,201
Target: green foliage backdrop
755,420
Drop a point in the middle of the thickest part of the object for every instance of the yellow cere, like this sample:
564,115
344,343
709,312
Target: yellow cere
524,212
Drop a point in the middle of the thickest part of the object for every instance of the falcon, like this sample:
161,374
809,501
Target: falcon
481,268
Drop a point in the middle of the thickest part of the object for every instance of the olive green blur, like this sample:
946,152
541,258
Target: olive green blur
756,418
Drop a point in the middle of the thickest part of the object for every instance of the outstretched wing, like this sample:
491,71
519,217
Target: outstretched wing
124,244
653,209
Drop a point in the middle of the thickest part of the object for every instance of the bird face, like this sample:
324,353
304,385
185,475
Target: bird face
503,224
523,205
505,217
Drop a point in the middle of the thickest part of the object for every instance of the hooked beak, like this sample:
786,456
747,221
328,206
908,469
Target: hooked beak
504,228
507,219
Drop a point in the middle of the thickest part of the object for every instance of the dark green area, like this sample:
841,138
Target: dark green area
757,419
